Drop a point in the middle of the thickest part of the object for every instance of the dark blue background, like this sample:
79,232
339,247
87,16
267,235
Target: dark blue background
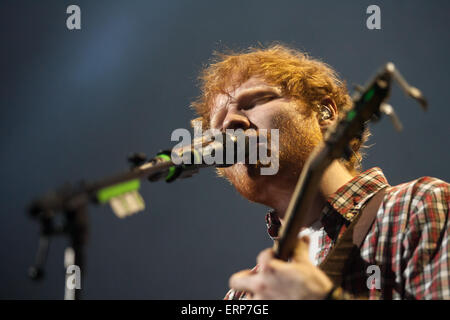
75,103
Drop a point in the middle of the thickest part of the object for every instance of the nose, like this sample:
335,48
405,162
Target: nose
236,120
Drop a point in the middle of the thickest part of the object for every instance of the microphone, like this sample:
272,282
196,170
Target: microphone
220,150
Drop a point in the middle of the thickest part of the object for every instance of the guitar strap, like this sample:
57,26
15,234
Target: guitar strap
337,261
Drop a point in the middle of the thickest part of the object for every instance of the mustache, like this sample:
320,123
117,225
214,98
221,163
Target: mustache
260,136
264,150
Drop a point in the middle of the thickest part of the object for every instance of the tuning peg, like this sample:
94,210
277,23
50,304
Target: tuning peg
388,110
358,88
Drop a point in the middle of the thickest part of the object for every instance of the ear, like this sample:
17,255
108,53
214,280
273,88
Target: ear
330,106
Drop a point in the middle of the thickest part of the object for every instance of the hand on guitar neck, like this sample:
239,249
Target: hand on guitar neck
279,280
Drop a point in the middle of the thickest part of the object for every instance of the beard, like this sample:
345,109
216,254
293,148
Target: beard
298,136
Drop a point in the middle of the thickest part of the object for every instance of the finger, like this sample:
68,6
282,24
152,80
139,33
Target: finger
268,263
306,239
263,260
255,269
301,252
243,281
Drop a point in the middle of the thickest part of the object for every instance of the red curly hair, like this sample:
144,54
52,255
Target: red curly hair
299,77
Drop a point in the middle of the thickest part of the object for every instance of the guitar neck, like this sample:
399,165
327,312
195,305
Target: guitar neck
304,194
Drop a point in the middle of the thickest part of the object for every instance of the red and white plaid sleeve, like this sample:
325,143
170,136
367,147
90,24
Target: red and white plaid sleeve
426,250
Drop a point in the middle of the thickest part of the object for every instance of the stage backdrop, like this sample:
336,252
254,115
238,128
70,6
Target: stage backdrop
75,103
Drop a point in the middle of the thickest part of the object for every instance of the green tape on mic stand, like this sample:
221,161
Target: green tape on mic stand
124,198
105,194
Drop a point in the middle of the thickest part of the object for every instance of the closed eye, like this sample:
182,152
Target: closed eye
258,101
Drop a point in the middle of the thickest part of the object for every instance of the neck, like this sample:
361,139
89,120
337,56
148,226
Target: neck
333,178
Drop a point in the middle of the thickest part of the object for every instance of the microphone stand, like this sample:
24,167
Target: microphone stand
73,201
76,227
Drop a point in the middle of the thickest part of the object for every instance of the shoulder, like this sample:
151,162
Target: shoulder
419,209
415,208
419,194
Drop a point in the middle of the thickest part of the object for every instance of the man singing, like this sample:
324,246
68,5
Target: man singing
281,88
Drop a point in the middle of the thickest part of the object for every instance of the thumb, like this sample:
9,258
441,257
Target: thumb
301,252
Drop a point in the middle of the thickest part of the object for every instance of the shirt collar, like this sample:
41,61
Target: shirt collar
346,201
350,197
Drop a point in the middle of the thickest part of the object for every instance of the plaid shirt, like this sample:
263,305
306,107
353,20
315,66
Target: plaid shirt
407,245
